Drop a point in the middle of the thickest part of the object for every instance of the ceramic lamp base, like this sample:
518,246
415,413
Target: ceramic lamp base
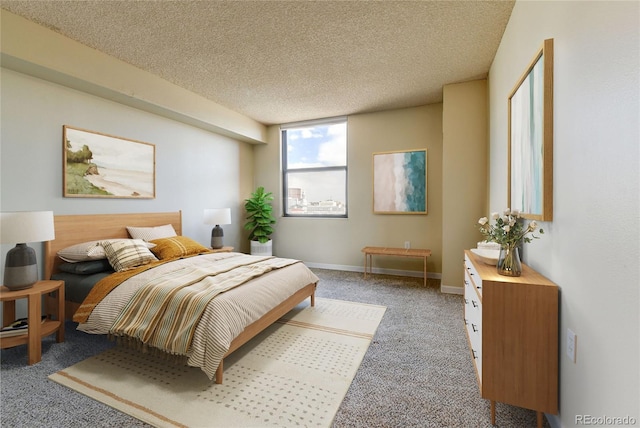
21,268
216,237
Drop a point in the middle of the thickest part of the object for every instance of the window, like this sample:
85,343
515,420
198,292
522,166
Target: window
314,160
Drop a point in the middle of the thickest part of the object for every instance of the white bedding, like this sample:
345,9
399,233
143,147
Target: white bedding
224,318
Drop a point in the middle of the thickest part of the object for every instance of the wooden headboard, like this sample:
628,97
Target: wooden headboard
75,229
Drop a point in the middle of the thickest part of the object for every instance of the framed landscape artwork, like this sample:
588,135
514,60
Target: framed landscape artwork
530,153
98,165
400,182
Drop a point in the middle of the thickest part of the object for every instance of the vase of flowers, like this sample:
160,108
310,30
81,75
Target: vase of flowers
509,231
509,261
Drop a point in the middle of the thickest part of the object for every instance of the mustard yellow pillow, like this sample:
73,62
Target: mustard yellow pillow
177,246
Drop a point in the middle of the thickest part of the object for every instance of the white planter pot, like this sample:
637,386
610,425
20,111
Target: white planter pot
258,249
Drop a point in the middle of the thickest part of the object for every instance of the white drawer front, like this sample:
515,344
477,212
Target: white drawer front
473,274
473,322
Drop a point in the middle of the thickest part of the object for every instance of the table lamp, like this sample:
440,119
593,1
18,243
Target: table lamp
217,216
21,267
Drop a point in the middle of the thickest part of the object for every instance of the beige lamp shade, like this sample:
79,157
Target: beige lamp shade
217,216
26,226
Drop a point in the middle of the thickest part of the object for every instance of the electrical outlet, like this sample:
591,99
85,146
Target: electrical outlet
407,244
571,345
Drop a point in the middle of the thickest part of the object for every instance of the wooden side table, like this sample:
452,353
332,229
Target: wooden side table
37,328
222,250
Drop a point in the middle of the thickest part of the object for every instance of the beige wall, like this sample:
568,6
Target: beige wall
337,242
464,181
591,248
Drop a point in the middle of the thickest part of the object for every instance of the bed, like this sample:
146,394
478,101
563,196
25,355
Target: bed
251,305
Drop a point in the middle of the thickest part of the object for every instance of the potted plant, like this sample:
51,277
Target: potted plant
259,221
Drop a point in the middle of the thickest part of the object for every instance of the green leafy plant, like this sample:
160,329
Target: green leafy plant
508,230
260,215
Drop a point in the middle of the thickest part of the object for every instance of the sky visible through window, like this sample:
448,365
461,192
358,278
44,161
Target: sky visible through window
318,146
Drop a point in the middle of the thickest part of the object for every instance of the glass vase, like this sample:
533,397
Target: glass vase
509,261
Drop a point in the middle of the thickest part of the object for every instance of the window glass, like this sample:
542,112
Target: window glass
315,169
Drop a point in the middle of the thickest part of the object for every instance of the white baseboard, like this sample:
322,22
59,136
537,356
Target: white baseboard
395,272
335,267
451,289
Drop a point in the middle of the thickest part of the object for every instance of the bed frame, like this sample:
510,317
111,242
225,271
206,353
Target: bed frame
75,229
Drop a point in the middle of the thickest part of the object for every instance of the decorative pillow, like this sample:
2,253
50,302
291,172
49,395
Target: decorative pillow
125,254
86,251
87,268
151,233
82,252
177,246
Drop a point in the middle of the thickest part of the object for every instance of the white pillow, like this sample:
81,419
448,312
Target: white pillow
127,254
151,233
91,250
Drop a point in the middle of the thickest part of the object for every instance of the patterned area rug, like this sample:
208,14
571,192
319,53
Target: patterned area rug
295,373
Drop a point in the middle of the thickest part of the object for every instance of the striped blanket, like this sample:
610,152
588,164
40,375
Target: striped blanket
164,312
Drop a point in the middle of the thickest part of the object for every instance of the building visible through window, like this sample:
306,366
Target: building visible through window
315,168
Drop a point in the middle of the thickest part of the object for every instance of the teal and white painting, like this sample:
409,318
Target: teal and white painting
400,182
530,177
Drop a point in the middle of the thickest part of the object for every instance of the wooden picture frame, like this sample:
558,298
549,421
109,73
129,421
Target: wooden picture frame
530,135
97,165
400,182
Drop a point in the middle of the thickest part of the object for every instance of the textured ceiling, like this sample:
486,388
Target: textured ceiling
286,61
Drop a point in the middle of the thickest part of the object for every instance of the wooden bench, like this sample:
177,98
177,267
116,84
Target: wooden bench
369,252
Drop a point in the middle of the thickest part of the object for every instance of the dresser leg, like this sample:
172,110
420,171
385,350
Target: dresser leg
539,419
493,412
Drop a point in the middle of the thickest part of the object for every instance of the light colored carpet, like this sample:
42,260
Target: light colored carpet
295,373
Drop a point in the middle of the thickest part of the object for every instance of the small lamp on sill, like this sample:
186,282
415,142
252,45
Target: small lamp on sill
21,267
217,216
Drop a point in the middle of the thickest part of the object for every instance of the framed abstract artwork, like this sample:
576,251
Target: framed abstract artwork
400,182
98,165
530,130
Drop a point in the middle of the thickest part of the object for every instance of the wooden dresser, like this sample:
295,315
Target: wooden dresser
512,327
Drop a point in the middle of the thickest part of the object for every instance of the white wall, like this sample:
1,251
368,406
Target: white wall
591,248
195,169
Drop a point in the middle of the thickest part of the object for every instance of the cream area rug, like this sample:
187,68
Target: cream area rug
295,373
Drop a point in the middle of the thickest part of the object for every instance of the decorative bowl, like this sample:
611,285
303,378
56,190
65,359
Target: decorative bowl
484,245
489,257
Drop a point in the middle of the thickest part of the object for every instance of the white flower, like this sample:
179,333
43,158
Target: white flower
507,229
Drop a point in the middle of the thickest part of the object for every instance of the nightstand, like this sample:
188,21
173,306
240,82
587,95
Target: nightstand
222,250
37,328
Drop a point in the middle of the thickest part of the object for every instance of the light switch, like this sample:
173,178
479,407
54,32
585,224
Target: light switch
571,345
